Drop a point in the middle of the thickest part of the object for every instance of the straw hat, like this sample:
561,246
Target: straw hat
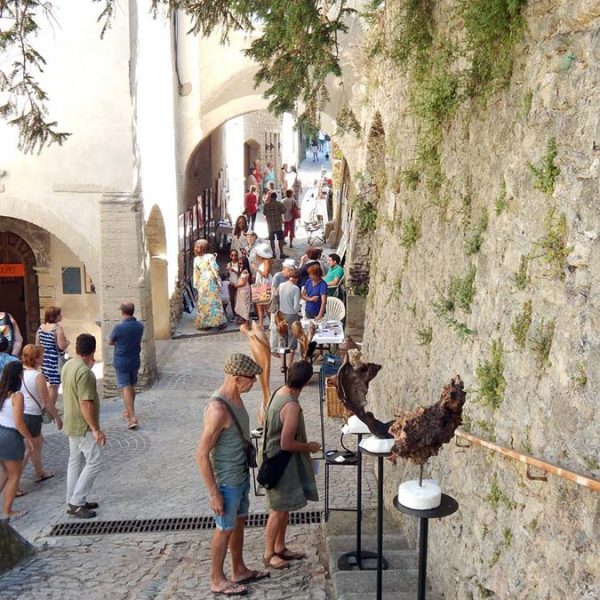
264,251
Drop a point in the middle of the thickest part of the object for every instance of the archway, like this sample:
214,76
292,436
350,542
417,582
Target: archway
157,248
19,283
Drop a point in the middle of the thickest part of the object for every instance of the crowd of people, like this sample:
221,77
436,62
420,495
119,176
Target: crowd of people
29,382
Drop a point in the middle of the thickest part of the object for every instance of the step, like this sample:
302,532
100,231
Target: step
404,560
345,543
364,582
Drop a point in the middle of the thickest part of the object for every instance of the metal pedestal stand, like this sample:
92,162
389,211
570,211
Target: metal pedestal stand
284,352
380,560
448,507
354,559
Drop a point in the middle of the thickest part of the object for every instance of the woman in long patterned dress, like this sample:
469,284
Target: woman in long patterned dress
208,284
51,336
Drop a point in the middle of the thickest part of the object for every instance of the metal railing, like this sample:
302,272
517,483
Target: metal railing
585,481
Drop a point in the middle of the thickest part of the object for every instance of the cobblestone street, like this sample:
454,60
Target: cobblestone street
151,473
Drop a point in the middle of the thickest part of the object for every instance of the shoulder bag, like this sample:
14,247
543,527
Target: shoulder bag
46,416
272,468
249,449
296,212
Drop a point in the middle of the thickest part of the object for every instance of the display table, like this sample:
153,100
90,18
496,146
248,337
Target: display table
448,507
327,332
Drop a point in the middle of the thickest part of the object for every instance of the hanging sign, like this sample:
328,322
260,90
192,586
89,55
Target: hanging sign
12,270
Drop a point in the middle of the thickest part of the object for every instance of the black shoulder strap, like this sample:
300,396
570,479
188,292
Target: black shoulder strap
233,417
266,411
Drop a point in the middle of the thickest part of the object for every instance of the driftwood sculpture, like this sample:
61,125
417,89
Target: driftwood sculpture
420,434
307,346
261,352
352,385
282,325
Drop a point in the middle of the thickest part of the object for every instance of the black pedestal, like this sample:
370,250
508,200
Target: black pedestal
448,507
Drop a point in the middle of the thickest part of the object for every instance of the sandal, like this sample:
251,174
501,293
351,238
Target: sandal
231,589
13,516
252,576
287,554
133,424
267,561
21,493
44,477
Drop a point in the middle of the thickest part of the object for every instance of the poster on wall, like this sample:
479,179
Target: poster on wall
181,231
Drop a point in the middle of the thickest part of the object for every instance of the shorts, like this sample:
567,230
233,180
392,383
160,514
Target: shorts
126,378
34,424
276,235
289,227
236,504
12,446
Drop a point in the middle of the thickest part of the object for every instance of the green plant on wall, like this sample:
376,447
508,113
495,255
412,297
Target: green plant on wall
521,278
367,217
347,123
411,232
496,497
414,32
579,378
424,335
411,178
520,325
462,289
541,343
554,244
474,240
546,172
490,374
501,200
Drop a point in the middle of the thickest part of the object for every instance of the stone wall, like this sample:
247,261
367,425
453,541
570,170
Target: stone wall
482,266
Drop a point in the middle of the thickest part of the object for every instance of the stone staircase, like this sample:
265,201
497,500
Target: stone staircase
399,580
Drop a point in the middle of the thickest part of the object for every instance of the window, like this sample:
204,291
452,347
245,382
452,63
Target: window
71,280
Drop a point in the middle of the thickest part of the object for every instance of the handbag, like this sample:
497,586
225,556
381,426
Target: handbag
272,468
296,212
46,416
261,293
249,449
274,304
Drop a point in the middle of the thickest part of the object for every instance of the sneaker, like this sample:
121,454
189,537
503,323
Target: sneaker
91,505
81,512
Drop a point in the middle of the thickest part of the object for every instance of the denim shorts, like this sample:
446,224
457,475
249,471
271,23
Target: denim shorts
236,503
126,378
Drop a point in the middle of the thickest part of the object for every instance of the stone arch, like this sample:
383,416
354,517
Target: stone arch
157,248
251,153
198,171
20,293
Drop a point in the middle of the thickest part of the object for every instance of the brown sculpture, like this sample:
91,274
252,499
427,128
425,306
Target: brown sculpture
261,352
304,338
352,384
281,324
420,434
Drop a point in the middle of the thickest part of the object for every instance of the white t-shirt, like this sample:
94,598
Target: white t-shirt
7,415
29,377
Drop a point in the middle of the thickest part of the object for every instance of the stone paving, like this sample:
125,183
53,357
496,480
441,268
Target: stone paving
151,473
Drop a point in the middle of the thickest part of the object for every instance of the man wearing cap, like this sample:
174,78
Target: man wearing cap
222,464
289,265
253,243
274,211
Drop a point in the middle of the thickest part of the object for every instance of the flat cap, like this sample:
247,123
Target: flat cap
241,364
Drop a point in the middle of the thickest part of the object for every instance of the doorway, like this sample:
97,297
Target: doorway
19,294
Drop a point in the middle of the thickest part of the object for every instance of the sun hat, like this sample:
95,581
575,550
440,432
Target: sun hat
241,364
251,232
264,251
289,263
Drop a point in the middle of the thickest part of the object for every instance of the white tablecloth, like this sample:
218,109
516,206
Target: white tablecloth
330,332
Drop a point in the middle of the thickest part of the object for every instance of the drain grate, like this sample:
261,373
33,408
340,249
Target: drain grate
311,517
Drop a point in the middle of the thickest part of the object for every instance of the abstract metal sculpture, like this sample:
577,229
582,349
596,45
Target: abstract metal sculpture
261,352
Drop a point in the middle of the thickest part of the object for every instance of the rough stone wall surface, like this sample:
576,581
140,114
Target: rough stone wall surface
513,537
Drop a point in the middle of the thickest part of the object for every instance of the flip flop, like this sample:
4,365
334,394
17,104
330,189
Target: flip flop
45,477
287,554
20,494
231,589
254,576
15,515
133,424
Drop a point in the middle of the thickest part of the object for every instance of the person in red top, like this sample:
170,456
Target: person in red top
251,206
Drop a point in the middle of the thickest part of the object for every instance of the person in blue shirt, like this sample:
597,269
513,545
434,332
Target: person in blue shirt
314,293
5,357
127,339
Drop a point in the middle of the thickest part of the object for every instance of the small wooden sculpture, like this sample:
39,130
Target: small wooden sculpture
261,352
281,324
307,346
421,433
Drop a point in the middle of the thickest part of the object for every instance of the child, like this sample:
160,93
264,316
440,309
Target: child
225,294
243,299
233,268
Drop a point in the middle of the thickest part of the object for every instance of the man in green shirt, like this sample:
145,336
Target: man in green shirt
81,424
335,273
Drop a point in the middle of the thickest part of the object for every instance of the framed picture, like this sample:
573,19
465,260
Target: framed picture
181,231
71,280
88,284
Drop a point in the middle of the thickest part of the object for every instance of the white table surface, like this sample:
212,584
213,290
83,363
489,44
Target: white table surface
328,332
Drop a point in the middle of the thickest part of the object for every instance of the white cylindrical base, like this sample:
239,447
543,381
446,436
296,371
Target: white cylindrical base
377,445
424,497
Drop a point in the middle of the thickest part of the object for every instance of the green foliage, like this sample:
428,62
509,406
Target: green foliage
411,232
554,244
591,463
490,374
546,172
579,378
527,100
496,497
361,289
492,28
521,277
411,178
414,33
501,200
520,325
459,294
527,441
367,217
475,238
461,290
487,429
428,158
424,336
347,123
507,537
541,343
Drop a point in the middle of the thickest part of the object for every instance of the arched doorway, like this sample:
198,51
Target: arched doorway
19,293
157,248
251,153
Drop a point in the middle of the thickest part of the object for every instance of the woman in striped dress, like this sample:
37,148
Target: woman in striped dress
52,338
